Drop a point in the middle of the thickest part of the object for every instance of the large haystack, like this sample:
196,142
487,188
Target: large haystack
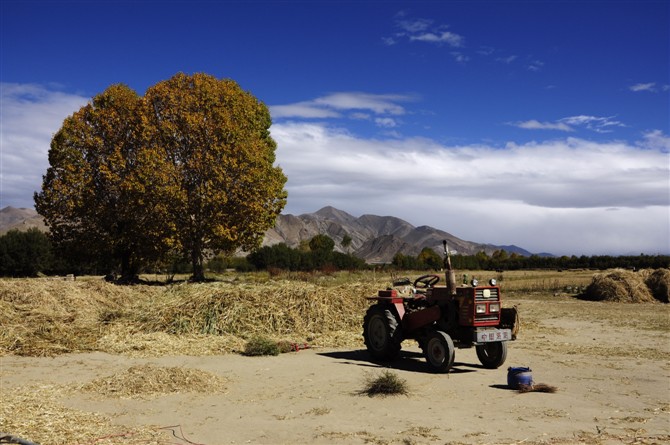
48,317
659,284
619,286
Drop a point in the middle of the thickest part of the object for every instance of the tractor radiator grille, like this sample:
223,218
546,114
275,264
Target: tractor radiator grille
491,295
486,317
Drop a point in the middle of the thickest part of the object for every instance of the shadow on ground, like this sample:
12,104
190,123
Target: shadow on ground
407,361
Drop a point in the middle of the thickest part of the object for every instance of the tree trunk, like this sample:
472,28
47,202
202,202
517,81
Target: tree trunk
129,270
198,267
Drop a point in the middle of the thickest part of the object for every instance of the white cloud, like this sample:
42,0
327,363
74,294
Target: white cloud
537,125
655,140
308,110
415,25
423,30
377,103
651,86
593,123
29,115
553,196
386,122
333,105
438,37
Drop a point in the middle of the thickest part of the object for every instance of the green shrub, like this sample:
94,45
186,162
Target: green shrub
259,345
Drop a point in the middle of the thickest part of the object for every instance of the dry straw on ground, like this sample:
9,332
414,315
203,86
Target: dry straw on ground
43,419
150,380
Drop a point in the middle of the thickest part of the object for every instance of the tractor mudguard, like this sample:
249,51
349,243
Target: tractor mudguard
421,318
509,319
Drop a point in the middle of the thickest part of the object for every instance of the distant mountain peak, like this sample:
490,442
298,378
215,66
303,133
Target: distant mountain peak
330,212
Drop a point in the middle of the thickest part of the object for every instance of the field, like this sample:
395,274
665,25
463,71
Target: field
85,362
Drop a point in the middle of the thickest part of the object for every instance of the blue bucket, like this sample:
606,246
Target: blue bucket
519,376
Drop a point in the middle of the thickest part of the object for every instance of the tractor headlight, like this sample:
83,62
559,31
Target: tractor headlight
480,309
492,281
474,282
494,307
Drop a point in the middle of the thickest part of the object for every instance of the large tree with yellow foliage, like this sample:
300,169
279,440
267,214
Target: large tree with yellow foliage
187,168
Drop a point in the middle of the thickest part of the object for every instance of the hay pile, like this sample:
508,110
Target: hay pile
47,317
620,286
150,380
658,283
271,309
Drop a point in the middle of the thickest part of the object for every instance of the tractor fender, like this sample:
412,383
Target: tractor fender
509,319
421,318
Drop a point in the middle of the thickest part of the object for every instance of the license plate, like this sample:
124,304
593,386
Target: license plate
491,335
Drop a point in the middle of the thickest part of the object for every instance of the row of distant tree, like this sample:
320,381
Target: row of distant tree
27,254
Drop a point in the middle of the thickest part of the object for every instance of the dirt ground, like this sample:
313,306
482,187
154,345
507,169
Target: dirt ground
613,388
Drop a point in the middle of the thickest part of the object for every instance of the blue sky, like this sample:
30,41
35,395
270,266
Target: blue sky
543,124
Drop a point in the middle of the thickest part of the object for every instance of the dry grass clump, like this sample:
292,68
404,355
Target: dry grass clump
385,384
658,283
150,380
619,286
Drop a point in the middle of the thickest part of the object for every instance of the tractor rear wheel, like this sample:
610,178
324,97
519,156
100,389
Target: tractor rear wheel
492,355
381,333
439,351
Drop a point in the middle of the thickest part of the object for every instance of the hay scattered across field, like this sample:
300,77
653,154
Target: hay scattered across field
36,414
150,380
619,286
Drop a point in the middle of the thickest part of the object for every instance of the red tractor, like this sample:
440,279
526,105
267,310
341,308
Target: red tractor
440,318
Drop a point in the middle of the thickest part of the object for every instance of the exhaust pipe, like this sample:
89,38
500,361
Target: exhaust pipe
450,276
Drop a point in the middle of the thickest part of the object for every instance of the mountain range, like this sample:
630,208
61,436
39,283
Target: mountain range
376,239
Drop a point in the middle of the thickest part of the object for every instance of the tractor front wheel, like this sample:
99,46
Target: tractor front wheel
381,333
439,351
492,355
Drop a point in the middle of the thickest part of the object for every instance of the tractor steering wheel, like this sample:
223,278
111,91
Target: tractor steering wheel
426,281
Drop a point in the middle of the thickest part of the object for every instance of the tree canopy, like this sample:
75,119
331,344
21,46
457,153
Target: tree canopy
187,168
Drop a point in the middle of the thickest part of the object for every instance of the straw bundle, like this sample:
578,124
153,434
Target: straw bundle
658,283
150,380
619,286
